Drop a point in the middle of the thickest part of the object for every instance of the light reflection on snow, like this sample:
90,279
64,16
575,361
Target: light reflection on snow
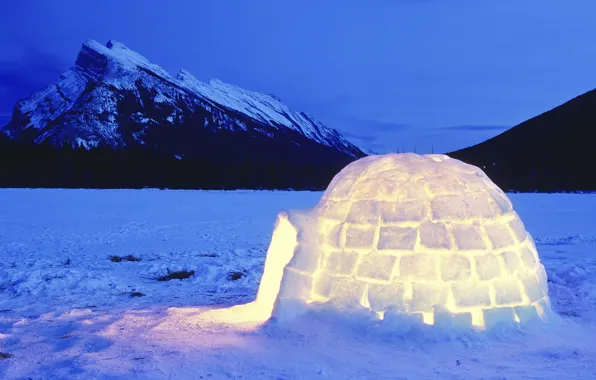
279,254
156,343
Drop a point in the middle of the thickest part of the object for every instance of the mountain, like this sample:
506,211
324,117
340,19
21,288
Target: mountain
553,151
115,100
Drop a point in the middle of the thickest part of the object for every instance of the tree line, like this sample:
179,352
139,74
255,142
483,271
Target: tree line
233,165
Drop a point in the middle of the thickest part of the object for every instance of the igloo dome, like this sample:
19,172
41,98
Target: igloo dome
422,235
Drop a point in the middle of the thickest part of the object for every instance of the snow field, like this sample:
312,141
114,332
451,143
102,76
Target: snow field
77,319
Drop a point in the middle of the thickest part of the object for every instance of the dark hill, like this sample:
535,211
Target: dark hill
554,151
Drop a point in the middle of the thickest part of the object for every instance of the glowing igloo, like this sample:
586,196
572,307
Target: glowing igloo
426,236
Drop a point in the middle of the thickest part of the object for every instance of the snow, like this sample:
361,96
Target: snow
138,136
263,107
127,58
257,105
67,310
161,98
55,99
87,144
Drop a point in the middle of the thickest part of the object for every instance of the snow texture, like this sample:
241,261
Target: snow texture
263,107
67,311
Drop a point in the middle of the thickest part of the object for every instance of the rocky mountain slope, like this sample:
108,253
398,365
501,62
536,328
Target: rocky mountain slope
114,98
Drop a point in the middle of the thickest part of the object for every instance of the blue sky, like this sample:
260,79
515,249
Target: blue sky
417,74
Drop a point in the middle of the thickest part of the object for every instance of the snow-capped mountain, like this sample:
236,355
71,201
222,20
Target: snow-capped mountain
115,97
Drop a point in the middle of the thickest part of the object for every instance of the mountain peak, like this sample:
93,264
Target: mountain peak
114,50
115,45
95,59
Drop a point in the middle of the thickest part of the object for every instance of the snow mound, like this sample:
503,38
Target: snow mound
428,237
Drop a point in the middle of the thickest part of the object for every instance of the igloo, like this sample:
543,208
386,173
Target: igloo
427,236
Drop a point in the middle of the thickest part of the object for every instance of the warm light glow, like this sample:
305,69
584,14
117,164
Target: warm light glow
408,233
428,318
280,252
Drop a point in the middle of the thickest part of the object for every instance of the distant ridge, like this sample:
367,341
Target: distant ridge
554,151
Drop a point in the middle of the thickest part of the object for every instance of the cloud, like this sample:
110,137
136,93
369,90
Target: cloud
375,134
383,126
368,138
371,125
472,128
368,129
368,142
384,136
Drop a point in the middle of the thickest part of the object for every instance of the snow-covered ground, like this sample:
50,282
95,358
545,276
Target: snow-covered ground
68,311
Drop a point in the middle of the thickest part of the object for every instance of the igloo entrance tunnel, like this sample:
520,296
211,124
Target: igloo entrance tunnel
425,236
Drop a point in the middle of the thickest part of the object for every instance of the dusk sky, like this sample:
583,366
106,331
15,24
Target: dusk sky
422,74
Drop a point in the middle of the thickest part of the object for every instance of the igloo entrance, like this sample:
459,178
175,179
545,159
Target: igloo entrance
408,234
